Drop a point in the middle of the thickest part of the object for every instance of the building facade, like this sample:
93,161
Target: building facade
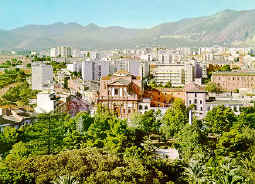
94,70
177,74
42,76
230,81
196,96
120,93
134,67
46,103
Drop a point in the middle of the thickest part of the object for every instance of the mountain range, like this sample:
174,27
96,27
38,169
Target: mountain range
226,28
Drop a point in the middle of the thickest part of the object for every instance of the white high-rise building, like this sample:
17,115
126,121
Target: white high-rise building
61,51
42,76
64,51
53,52
76,53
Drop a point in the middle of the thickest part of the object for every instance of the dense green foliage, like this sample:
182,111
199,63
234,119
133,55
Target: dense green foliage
11,76
18,95
102,148
57,65
10,63
212,87
44,58
174,119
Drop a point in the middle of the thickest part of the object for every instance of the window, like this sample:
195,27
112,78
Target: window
146,107
201,101
195,101
140,107
129,111
195,107
116,92
190,102
201,108
195,95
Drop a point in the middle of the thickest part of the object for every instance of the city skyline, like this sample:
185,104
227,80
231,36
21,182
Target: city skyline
131,14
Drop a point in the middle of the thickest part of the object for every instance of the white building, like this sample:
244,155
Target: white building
74,67
145,105
45,102
42,76
61,51
53,52
76,53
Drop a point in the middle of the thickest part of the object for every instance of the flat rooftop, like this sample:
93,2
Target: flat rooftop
224,102
237,73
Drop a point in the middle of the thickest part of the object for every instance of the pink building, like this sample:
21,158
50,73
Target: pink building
121,93
230,81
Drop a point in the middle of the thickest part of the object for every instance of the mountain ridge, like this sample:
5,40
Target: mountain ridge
228,28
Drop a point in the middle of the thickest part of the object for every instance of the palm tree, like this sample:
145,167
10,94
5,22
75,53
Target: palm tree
195,172
65,180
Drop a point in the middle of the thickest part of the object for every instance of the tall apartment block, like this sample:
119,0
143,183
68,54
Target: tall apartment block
135,68
42,76
61,51
92,70
189,73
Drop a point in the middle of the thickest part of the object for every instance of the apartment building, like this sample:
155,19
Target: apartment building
134,67
61,51
42,76
177,74
94,70
75,67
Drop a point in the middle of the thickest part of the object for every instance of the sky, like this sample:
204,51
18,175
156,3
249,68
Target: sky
125,13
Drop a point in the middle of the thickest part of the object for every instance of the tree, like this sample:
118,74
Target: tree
152,84
107,131
168,84
149,122
174,119
190,140
45,135
212,87
93,165
66,180
8,137
225,68
220,119
225,171
235,143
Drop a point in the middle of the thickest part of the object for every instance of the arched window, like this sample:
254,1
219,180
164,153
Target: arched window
140,107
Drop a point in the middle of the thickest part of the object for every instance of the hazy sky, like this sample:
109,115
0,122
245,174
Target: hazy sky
127,13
